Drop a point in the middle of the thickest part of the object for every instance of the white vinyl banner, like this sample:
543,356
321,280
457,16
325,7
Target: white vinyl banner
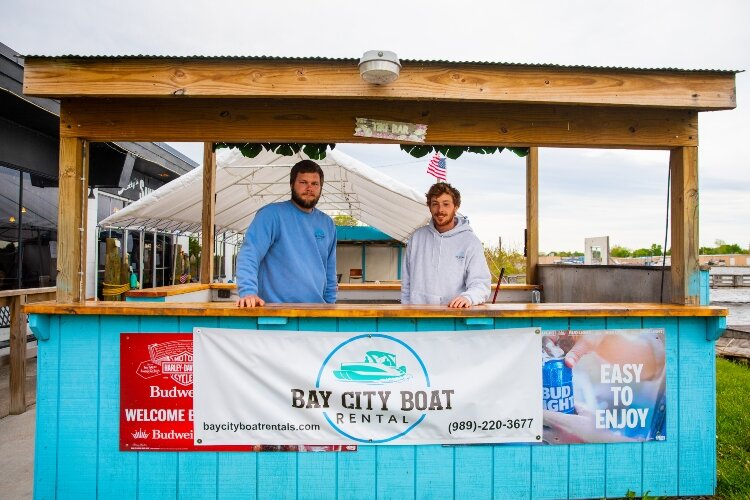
278,388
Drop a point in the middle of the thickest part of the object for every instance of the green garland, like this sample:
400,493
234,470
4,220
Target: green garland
453,152
318,151
253,149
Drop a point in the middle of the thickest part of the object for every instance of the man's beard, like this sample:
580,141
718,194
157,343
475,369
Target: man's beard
302,203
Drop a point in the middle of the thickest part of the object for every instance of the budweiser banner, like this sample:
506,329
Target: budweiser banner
156,392
290,388
156,397
604,386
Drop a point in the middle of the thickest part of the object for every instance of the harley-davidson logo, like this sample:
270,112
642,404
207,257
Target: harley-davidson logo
172,359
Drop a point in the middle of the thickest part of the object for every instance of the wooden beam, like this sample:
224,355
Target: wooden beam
31,293
685,270
17,355
532,215
209,213
340,79
449,123
71,228
224,309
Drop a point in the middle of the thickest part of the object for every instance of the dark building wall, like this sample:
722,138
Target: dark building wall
26,149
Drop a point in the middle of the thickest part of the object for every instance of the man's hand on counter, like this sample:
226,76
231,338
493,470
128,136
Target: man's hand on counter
459,302
250,301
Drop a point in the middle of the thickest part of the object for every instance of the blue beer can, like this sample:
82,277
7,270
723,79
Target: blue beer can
557,386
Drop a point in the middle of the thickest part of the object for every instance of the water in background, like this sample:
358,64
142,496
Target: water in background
737,300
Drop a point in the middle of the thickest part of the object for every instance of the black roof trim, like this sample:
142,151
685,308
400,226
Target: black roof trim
11,81
11,54
160,154
169,149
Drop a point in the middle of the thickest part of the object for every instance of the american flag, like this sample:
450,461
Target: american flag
436,167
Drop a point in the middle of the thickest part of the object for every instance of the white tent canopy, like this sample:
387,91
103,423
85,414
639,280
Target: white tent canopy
244,185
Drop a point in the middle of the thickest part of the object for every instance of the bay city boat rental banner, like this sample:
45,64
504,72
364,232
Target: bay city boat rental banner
287,388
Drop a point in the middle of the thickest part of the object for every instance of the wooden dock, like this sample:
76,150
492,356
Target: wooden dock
729,280
735,343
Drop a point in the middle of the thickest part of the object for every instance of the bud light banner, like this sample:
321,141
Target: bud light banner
286,388
604,386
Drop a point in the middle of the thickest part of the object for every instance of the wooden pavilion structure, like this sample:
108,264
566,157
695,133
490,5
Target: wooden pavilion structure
317,100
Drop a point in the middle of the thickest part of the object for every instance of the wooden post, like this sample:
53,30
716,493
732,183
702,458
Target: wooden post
124,263
71,227
685,270
17,355
177,267
112,269
209,204
532,215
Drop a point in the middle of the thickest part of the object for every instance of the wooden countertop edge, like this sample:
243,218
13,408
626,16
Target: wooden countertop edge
224,309
172,290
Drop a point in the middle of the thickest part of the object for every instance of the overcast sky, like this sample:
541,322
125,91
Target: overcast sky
583,193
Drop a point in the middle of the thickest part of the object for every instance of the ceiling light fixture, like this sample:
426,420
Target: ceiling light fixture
379,67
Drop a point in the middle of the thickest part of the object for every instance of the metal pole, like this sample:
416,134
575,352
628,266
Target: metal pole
364,261
153,261
173,258
400,262
96,265
125,234
20,231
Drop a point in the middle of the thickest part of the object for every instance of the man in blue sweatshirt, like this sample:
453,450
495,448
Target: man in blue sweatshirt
444,261
289,251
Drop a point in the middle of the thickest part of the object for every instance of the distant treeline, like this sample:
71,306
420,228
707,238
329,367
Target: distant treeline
722,248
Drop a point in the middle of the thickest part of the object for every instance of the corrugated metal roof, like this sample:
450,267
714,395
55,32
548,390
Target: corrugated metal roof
356,60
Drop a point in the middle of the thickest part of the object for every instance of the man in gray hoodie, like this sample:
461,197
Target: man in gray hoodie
444,261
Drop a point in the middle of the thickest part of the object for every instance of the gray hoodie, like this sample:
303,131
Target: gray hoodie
440,266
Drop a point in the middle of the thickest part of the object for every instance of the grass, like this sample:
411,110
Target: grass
733,429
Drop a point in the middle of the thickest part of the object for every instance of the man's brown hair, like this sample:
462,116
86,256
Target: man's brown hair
305,167
441,188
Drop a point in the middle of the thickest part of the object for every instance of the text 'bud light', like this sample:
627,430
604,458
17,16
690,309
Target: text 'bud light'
557,392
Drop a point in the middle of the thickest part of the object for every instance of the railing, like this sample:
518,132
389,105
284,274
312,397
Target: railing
15,299
729,280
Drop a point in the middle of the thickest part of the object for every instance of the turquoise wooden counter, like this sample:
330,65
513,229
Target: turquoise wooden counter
77,453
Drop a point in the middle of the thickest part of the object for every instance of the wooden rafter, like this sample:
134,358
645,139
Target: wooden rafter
471,124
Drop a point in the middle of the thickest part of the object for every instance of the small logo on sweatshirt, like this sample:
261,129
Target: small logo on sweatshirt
319,234
460,256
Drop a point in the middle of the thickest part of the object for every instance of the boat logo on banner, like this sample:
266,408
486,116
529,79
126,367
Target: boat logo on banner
374,360
378,367
173,359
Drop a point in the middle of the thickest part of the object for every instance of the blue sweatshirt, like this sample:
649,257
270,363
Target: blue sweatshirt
438,266
288,255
